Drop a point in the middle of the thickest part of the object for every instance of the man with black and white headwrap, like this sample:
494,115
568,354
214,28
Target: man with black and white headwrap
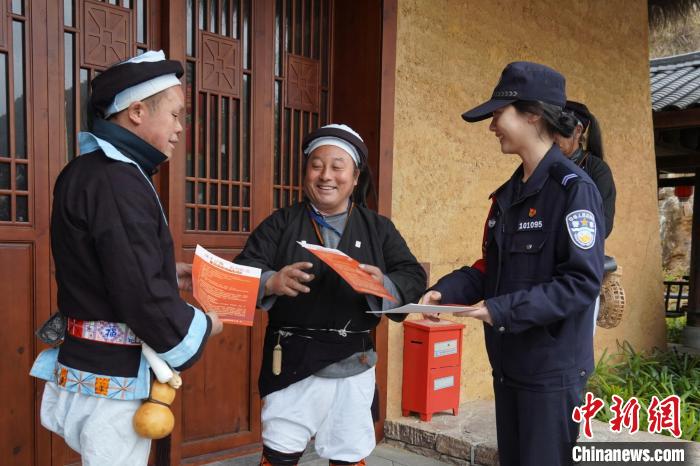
325,384
115,267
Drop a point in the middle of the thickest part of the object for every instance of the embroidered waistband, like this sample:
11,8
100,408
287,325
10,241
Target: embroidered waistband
114,333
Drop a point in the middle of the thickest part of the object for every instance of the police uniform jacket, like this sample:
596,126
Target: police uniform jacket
540,275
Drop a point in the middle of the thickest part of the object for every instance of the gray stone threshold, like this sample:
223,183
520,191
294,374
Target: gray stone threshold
470,437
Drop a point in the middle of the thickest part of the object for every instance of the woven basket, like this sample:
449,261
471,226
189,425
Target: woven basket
612,300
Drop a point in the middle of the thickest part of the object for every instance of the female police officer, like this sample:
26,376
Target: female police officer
540,272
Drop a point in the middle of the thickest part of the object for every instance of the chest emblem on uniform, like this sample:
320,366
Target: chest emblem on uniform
532,212
582,228
492,222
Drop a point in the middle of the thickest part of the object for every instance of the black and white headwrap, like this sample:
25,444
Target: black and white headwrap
348,140
337,135
132,80
580,112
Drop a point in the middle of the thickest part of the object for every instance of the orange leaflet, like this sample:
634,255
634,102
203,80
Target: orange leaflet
349,269
229,289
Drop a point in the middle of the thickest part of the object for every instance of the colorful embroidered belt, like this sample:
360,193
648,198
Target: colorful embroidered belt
105,332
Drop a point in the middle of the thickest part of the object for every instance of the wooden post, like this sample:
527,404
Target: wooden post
691,334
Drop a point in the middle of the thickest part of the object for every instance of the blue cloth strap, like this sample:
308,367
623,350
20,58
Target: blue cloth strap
319,220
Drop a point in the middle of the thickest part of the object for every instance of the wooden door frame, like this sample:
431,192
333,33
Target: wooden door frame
388,95
41,131
385,175
173,24
364,41
38,124
174,16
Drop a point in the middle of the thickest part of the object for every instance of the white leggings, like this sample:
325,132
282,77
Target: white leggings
336,411
100,429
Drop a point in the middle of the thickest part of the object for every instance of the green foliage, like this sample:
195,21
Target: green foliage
662,373
674,328
675,276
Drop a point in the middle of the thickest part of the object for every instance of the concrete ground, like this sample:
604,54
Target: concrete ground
383,455
466,439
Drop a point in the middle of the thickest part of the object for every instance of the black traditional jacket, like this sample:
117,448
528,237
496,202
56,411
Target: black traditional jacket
332,304
600,173
115,263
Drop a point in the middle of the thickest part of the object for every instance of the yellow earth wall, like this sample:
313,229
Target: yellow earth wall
450,54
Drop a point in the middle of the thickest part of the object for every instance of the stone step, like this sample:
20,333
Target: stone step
470,437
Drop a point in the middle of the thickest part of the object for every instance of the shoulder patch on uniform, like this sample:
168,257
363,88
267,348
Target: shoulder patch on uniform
582,228
568,178
563,174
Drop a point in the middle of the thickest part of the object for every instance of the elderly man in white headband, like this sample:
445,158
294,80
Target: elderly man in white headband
321,382
115,267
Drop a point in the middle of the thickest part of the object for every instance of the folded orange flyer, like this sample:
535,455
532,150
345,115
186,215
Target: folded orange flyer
349,269
229,289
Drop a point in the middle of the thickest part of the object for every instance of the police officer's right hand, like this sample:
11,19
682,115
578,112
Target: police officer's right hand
289,280
431,297
216,325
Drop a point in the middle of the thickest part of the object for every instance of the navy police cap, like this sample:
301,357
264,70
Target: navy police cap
522,80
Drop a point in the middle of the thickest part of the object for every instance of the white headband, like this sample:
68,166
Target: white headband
337,142
145,89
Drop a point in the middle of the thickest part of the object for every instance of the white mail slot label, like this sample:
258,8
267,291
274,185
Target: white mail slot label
445,348
443,382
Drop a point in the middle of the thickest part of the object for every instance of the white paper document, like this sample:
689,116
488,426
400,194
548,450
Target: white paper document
425,309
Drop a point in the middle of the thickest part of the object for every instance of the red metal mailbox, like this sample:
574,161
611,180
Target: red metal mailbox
432,356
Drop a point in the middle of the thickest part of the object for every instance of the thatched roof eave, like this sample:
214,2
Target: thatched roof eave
669,11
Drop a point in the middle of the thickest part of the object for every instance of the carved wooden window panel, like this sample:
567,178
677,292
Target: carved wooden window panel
16,158
302,88
218,186
96,34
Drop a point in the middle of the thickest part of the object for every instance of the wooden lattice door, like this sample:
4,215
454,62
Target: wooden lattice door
250,99
212,199
24,197
302,94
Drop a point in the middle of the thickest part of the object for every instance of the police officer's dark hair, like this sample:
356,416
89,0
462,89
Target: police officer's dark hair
555,118
594,139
